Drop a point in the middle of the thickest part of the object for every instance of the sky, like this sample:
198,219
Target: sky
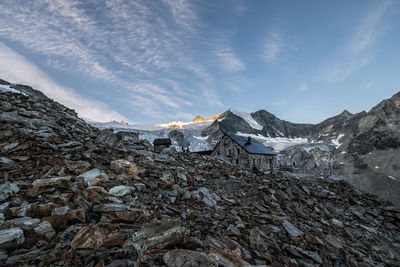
162,60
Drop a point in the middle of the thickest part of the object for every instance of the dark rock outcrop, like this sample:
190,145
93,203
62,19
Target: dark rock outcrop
178,137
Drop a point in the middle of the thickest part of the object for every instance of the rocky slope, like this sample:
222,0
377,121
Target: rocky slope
367,153
72,195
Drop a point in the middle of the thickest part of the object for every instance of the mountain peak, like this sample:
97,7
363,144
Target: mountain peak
346,113
198,118
396,96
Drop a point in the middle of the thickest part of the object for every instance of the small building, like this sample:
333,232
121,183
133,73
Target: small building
161,143
245,152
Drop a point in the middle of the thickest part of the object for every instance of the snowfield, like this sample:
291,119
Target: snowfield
278,143
248,118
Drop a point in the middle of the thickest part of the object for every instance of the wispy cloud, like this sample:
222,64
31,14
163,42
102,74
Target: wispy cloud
358,52
273,46
238,83
145,48
369,29
230,61
303,87
18,69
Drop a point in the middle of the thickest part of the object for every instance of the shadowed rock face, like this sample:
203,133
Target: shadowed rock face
3,82
379,128
167,209
367,145
178,137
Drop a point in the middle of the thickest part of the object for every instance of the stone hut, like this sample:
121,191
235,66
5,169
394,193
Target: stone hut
245,152
161,143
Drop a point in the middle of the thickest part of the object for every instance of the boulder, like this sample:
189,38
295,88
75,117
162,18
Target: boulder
11,238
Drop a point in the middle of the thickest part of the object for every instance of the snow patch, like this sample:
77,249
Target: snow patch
200,137
336,142
248,118
276,130
278,143
6,88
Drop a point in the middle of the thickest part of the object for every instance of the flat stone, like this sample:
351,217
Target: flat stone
4,206
140,186
60,210
58,222
23,258
26,223
8,189
167,179
181,257
122,166
89,237
121,190
337,223
120,216
158,235
92,177
45,229
228,258
332,240
10,147
42,210
22,210
51,182
312,255
6,161
114,239
208,197
292,230
11,238
110,207
70,233
369,229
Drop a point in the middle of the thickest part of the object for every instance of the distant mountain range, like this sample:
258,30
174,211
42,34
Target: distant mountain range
362,148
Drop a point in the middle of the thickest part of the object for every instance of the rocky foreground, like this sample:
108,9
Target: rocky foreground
72,195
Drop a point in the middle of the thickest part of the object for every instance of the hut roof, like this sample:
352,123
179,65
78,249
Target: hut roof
162,141
251,145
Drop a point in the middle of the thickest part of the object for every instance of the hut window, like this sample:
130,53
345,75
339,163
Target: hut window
237,161
229,152
218,153
238,151
254,161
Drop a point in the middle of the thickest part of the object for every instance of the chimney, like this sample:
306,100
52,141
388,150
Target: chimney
248,140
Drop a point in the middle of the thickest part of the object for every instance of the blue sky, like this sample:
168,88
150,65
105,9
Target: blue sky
162,60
